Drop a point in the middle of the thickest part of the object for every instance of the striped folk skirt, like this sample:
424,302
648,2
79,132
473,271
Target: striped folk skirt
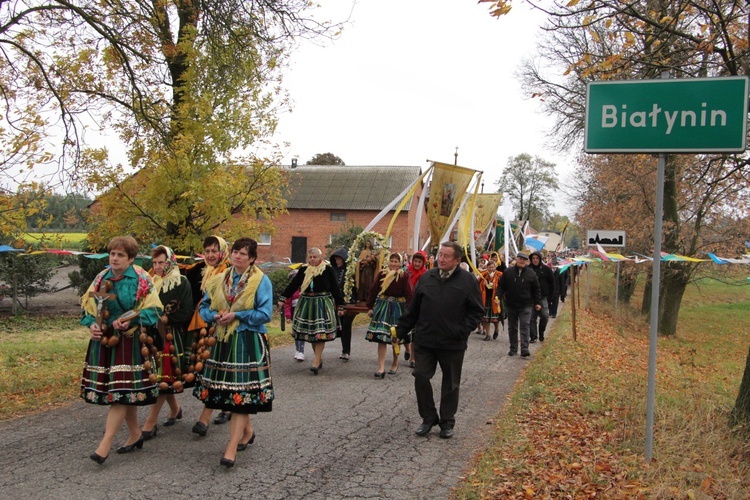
315,318
116,374
237,376
385,314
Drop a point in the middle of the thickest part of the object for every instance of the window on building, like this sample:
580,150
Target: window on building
338,216
264,239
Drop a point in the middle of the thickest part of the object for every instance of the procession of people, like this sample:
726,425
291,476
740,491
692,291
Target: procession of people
155,333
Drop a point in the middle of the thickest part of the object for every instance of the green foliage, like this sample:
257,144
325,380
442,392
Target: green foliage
192,91
530,183
88,269
62,213
325,159
30,273
279,281
28,200
344,238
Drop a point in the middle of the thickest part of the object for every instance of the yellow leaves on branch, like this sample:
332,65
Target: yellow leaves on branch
498,7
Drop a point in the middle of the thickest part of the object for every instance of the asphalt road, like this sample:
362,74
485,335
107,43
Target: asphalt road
341,434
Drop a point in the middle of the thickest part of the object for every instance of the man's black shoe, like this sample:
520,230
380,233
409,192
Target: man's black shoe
446,433
541,339
532,341
512,353
424,429
525,353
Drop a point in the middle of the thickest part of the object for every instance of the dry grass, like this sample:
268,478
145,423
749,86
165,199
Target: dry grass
575,425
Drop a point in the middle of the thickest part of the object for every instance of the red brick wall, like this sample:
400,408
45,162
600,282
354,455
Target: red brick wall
316,226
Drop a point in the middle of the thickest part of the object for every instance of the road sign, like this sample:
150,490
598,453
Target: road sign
697,115
605,238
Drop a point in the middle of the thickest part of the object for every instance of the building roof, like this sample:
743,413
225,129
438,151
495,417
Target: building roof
334,187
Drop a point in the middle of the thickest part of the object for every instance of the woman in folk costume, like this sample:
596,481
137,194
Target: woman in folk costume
315,319
414,271
488,282
215,261
169,336
389,295
119,304
237,376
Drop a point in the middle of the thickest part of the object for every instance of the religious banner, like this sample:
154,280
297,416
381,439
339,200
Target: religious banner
485,210
447,190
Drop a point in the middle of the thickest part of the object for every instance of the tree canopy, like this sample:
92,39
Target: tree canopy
190,87
325,159
530,183
705,196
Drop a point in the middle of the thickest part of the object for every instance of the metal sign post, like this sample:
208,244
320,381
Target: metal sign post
654,324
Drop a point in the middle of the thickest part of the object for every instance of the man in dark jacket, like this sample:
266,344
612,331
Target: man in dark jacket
445,308
519,287
540,318
338,263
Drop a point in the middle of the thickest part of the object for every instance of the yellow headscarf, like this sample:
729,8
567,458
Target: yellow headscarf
243,301
210,271
391,275
311,272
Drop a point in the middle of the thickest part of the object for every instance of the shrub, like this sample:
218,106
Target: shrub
279,280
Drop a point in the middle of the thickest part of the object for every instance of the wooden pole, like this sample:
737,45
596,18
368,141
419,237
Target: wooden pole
574,271
14,308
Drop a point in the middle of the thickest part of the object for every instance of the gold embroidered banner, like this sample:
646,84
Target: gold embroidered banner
485,209
447,190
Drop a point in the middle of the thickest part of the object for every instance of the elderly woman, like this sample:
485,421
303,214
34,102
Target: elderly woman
389,295
315,318
169,336
119,304
237,375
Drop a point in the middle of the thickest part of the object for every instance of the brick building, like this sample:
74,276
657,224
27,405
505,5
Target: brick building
323,199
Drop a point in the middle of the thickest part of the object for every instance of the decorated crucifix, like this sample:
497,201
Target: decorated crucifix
101,298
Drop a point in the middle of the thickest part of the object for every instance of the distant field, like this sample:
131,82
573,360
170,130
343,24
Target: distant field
67,241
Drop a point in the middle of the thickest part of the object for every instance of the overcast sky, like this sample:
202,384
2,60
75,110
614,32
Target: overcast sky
409,81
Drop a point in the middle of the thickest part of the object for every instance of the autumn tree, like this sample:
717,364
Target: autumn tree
325,159
608,39
28,200
530,183
190,87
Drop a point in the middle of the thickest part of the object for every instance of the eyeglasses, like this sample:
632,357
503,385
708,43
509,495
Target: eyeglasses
521,258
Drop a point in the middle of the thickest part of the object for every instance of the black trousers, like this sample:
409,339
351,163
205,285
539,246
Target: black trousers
346,333
426,360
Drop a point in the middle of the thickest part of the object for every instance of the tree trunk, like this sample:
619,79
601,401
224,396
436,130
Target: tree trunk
646,302
741,413
675,279
628,280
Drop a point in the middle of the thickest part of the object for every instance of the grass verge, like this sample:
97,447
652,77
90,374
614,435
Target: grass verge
42,360
575,424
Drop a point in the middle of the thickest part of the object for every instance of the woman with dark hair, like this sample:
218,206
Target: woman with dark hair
237,375
315,318
169,336
389,295
414,271
120,303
